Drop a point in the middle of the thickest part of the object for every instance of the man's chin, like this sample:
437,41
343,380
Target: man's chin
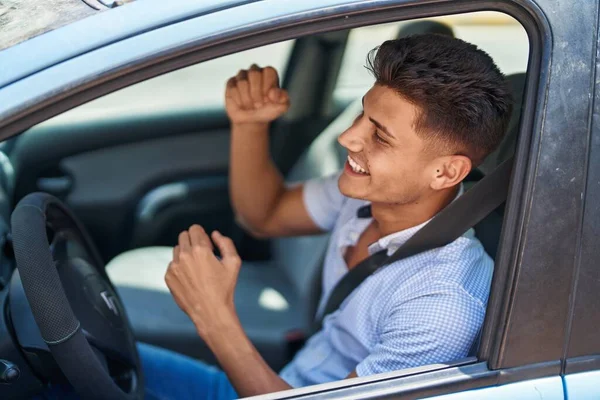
351,189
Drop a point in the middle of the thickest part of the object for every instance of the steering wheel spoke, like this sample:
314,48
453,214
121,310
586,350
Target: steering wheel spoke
111,352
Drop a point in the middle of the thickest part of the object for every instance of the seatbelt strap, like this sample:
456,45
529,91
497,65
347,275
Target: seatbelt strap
447,226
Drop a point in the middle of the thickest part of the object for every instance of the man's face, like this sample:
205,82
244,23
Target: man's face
382,142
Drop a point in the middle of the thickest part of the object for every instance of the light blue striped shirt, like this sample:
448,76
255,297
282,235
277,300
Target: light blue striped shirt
421,310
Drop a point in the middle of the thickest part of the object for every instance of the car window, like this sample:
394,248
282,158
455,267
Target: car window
199,86
501,36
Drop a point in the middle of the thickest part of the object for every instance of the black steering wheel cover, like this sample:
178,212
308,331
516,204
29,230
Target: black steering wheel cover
52,312
41,281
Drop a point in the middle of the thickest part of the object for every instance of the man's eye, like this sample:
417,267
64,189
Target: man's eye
378,138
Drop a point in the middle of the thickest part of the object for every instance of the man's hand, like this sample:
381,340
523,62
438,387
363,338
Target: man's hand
201,284
253,96
203,287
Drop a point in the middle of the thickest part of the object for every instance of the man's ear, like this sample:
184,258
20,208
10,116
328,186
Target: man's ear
449,171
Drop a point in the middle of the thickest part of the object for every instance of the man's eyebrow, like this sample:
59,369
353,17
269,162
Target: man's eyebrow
377,124
382,128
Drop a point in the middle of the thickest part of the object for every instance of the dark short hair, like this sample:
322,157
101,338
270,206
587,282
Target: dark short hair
463,97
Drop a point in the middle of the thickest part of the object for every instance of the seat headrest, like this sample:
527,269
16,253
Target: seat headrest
507,146
422,27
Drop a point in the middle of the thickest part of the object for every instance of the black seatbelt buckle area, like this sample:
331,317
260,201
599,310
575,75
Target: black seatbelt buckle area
295,340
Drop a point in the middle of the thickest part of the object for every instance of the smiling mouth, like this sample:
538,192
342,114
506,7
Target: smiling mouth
355,167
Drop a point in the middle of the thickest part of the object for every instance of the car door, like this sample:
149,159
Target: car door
525,330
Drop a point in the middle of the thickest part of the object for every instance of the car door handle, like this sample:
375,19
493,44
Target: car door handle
56,185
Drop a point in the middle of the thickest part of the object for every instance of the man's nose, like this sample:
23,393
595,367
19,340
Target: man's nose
352,140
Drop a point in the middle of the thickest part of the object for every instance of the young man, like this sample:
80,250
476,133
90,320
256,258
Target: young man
438,107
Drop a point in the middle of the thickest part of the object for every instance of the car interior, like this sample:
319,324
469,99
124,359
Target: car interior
136,174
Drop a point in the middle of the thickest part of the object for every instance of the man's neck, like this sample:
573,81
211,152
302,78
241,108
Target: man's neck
390,218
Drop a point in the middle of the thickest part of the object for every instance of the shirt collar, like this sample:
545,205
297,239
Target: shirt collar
394,240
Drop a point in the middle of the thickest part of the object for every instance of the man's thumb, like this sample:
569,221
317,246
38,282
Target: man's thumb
275,95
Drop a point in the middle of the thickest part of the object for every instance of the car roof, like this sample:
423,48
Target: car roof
97,30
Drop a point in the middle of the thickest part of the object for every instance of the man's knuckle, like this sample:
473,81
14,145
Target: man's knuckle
196,229
199,249
235,261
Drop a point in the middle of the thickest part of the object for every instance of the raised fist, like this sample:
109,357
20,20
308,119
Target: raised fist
254,96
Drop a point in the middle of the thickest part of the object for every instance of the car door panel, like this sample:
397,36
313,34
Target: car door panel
115,173
107,175
115,187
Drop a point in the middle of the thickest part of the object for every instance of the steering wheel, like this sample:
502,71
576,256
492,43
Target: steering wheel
79,314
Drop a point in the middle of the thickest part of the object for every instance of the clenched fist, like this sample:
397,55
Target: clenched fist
254,96
201,284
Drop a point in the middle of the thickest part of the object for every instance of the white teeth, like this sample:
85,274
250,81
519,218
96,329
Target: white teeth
355,167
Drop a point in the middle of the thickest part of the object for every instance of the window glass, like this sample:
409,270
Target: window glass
501,36
200,86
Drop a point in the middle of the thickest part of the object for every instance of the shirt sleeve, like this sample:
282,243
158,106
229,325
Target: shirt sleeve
323,200
432,328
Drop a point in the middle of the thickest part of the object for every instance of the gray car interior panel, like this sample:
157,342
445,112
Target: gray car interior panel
105,176
102,166
114,178
68,135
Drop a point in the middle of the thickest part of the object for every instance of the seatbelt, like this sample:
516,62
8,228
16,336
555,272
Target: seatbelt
447,226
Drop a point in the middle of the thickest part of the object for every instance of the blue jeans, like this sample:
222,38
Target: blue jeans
169,375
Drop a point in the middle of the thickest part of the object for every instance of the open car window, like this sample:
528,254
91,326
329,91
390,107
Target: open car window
198,87
500,35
